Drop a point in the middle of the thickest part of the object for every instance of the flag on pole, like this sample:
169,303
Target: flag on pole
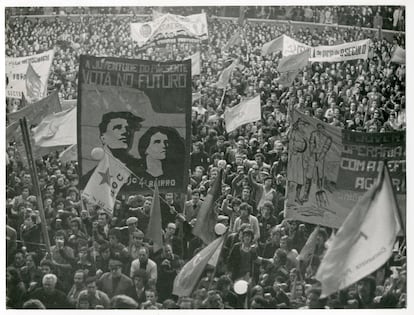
70,154
33,85
225,76
365,240
294,62
154,231
105,182
235,40
206,218
245,112
398,56
189,275
272,46
195,63
56,129
309,247
35,112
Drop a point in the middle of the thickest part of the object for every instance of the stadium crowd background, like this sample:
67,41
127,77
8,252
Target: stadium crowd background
102,262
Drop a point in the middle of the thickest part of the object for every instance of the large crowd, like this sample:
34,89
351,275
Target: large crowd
97,261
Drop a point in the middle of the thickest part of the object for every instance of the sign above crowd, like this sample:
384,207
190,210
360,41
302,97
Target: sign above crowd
342,52
170,29
329,169
141,117
28,75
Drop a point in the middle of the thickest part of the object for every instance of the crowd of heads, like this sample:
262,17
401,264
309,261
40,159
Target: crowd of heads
105,261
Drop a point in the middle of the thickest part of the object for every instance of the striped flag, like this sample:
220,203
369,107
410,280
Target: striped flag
154,231
189,275
104,184
206,218
365,240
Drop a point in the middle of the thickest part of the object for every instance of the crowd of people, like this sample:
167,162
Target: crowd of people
99,261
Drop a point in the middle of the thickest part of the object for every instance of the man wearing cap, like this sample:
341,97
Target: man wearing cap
115,282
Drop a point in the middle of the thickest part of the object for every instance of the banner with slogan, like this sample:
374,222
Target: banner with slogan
329,169
342,52
170,29
140,111
362,157
16,70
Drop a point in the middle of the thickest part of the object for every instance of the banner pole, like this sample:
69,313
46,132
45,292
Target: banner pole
32,167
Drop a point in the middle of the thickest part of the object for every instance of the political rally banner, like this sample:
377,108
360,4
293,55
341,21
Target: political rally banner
342,52
16,72
140,111
245,112
292,46
170,29
329,169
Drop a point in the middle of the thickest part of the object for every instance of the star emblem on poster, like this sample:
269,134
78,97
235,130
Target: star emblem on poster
106,177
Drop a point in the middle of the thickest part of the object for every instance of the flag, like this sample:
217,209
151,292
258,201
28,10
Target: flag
35,112
206,218
225,76
309,247
67,104
56,129
195,97
195,64
272,46
189,275
235,40
154,231
245,112
70,154
398,56
287,78
33,85
365,240
105,182
294,62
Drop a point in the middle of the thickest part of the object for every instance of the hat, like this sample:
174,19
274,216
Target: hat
131,220
113,262
222,218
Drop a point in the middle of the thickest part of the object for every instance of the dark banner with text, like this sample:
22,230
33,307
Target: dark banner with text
139,111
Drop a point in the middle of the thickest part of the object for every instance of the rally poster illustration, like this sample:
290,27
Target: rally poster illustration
329,169
139,112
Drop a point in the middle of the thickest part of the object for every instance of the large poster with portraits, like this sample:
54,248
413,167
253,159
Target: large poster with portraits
329,169
139,111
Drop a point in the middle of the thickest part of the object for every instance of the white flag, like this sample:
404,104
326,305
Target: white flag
365,240
105,182
243,113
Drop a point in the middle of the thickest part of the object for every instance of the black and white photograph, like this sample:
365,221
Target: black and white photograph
217,156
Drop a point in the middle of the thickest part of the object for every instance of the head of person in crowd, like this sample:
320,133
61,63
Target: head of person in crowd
245,210
117,129
49,283
313,298
33,304
115,267
123,302
140,279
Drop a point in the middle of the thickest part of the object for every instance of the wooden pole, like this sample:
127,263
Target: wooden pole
33,170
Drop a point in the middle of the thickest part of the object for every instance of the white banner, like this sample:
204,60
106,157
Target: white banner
243,113
170,28
16,69
292,46
342,52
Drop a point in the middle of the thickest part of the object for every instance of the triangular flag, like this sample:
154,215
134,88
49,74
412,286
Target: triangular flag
365,240
189,275
154,231
272,46
105,182
56,129
206,218
309,247
33,85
